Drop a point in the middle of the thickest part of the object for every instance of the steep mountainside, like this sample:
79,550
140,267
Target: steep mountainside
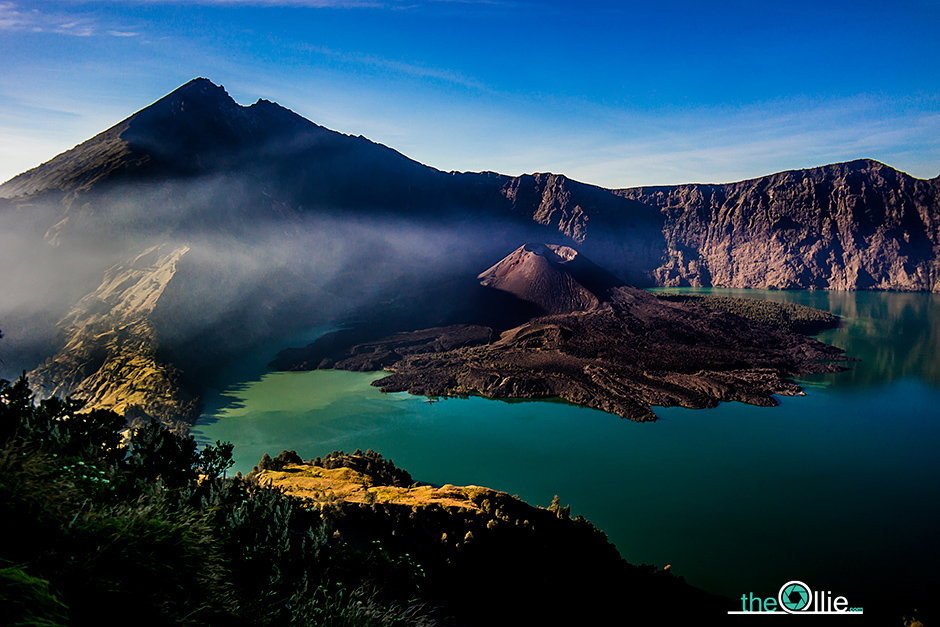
109,354
288,223
196,159
856,225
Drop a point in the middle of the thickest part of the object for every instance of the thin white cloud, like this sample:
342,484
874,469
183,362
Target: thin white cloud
746,143
76,27
400,67
322,4
15,17
11,18
313,4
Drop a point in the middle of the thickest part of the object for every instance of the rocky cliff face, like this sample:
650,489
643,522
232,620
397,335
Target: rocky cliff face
847,226
109,354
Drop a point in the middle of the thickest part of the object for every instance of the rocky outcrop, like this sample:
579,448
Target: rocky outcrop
847,226
109,355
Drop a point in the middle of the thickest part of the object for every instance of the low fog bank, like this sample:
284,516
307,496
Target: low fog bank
39,283
230,295
255,268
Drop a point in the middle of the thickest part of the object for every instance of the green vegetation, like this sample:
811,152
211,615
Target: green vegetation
789,316
96,530
104,523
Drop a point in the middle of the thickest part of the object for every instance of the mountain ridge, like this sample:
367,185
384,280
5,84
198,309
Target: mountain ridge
203,86
295,224
293,166
853,225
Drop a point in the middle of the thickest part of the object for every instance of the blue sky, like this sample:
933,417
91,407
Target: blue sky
613,93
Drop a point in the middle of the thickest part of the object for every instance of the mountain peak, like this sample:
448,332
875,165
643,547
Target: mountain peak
200,80
554,277
191,128
859,164
198,86
862,165
555,252
198,95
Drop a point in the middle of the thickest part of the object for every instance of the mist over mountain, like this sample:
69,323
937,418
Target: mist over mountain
197,161
274,223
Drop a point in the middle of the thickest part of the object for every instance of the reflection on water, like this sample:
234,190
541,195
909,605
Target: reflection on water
840,488
896,335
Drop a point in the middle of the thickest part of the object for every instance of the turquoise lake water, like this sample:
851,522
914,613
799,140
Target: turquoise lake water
839,488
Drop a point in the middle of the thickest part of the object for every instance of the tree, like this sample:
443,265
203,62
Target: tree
58,425
214,460
157,453
16,406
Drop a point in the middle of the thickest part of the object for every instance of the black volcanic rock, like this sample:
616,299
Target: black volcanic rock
377,354
618,349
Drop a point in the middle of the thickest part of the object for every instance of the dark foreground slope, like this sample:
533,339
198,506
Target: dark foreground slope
598,343
490,557
99,530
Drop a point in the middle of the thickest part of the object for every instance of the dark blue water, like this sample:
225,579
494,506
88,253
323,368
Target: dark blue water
840,488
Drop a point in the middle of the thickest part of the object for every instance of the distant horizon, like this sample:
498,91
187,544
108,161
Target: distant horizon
616,96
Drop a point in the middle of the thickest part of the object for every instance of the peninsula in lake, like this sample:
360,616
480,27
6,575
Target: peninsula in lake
594,341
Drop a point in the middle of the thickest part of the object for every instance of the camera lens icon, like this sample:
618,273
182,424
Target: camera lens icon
795,596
